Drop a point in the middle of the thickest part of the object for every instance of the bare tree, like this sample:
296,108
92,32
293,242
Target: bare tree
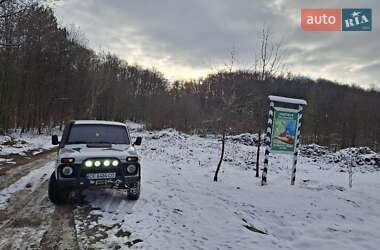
47,75
221,156
228,97
269,55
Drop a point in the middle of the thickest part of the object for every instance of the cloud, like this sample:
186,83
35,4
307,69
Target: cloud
190,38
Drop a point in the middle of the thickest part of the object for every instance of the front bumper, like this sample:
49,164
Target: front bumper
78,180
80,183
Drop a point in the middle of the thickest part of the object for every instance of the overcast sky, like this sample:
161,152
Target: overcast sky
190,38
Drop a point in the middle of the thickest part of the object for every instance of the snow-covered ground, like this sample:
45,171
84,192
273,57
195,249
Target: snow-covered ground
182,208
16,143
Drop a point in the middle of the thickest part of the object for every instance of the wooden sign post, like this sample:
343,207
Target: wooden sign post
283,130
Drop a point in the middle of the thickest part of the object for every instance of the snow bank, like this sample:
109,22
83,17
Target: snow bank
15,143
133,126
313,150
363,158
246,139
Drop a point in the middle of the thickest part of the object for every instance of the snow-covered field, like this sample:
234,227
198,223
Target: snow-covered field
180,206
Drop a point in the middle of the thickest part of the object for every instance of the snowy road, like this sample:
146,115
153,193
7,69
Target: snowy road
182,208
27,218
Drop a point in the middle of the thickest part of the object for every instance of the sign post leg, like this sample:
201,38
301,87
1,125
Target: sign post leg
267,144
295,155
294,169
258,155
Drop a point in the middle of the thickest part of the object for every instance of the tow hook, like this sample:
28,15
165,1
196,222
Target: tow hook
118,182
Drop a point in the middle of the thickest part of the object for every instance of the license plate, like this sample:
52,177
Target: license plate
100,182
95,176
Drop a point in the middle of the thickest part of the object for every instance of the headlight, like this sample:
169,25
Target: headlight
115,163
107,163
67,170
88,163
97,163
131,169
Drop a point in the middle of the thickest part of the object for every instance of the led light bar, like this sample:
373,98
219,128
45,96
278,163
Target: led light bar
101,162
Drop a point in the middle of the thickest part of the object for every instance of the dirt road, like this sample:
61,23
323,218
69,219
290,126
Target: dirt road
29,220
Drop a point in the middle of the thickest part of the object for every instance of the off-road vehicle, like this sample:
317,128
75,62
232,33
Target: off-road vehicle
95,154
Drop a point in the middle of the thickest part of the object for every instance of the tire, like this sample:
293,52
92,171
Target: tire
57,195
134,195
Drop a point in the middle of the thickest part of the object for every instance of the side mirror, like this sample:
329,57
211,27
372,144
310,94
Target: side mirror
54,140
138,141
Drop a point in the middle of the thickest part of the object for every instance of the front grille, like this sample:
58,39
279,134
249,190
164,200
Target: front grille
81,171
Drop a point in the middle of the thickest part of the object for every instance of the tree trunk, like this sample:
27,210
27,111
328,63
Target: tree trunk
221,157
258,155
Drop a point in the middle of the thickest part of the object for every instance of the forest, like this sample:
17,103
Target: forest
48,75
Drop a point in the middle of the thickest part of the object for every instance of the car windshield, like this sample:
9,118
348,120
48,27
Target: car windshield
95,133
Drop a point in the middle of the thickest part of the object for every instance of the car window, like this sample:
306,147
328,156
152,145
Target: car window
94,133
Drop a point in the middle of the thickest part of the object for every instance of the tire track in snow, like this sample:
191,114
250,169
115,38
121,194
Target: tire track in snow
28,220
100,219
30,182
17,172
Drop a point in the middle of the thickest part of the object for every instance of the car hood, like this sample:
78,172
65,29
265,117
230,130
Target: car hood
81,152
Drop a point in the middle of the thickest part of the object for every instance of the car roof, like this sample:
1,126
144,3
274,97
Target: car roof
99,122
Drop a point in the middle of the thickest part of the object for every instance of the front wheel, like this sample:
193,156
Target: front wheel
134,191
57,195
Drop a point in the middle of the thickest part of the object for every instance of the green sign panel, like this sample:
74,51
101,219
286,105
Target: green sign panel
284,131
